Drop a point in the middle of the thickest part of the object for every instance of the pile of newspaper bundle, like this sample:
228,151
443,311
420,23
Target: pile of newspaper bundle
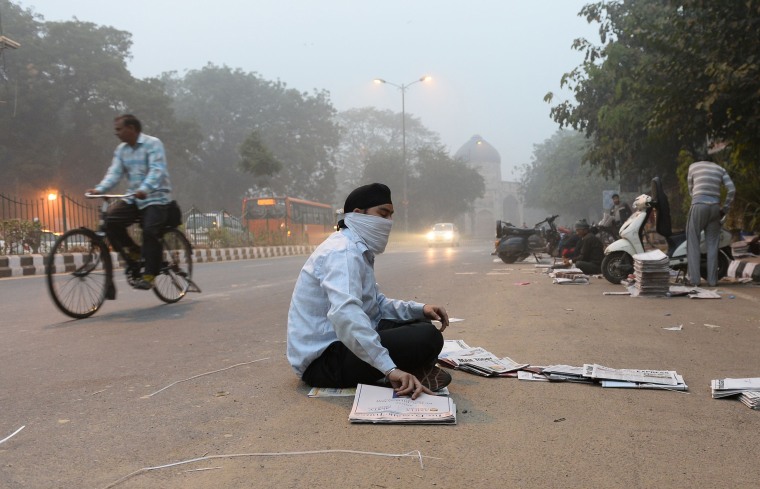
651,272
748,390
479,361
591,373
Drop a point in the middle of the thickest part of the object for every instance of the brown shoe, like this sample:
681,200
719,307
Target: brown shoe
432,377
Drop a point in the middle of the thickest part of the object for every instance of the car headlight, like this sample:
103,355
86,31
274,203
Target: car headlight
448,235
431,236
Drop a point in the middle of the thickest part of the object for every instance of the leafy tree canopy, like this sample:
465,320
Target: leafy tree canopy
557,179
668,76
368,131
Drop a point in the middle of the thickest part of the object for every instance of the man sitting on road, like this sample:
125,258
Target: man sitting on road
589,253
342,330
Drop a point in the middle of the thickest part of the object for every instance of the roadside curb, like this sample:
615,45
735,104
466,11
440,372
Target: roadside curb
24,265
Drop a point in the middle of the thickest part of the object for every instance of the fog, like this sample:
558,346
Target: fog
491,62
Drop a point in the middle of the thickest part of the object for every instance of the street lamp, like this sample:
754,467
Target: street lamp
403,87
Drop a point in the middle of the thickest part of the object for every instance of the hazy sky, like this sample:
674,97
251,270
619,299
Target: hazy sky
492,61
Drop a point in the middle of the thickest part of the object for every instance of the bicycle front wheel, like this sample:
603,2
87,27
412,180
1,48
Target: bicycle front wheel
173,281
78,271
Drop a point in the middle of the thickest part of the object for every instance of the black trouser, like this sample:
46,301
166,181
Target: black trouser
412,345
589,268
121,215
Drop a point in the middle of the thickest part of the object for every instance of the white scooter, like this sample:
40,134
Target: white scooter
618,259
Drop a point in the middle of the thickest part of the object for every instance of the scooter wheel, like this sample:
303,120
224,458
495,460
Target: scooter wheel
616,266
508,258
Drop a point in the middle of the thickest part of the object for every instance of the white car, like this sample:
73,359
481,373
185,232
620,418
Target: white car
443,233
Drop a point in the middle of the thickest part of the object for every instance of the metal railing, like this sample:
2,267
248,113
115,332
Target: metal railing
29,225
58,215
26,223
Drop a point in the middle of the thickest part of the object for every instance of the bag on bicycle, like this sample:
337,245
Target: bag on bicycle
173,214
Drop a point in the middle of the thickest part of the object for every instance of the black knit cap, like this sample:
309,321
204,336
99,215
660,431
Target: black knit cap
582,224
365,197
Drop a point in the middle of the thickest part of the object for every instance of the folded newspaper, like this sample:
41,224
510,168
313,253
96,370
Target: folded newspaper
751,399
659,377
732,387
479,361
374,404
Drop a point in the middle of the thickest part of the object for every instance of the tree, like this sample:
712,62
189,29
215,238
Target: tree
669,76
442,188
230,104
557,178
255,158
72,81
368,132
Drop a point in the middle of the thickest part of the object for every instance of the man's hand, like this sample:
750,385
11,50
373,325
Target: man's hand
437,313
405,383
140,194
92,191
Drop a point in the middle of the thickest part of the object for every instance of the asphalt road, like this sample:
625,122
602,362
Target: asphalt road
82,389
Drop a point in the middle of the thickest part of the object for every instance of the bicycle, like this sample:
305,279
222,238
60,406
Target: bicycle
79,267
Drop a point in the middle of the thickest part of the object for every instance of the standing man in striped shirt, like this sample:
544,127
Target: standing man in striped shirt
141,158
705,179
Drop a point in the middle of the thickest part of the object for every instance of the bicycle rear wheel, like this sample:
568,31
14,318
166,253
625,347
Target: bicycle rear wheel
173,281
78,271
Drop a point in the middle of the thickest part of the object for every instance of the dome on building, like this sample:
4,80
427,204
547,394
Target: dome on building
478,151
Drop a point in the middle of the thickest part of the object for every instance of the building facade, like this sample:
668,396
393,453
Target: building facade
501,200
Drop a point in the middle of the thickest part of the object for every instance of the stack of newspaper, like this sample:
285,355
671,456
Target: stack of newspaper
747,388
606,376
373,404
651,272
751,399
566,373
478,361
636,379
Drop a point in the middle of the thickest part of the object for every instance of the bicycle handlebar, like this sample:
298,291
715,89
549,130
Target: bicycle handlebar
88,195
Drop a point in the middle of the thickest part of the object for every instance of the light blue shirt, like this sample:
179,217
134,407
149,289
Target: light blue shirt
145,167
336,298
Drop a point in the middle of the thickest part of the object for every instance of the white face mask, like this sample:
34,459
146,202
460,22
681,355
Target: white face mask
373,230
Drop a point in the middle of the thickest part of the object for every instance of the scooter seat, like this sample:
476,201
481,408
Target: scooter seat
674,241
515,231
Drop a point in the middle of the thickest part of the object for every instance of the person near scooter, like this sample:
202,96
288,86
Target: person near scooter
620,211
705,179
589,253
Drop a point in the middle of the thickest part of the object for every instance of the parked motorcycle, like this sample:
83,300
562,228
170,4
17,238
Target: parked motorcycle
515,244
618,259
607,230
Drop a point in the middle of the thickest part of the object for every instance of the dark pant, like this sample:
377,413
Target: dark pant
121,215
412,345
588,267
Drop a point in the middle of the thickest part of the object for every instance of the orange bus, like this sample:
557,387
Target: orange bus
286,220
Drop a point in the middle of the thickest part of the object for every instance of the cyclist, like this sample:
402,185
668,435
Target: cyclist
142,159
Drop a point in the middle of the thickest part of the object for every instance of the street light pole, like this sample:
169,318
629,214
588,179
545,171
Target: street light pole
403,87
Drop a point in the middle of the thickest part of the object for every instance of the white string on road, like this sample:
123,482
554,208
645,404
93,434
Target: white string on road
414,453
207,373
12,434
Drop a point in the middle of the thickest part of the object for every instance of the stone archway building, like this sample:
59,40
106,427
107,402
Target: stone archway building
501,200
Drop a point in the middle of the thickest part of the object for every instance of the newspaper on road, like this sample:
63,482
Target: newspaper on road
751,399
566,373
479,361
373,404
731,387
665,377
621,384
